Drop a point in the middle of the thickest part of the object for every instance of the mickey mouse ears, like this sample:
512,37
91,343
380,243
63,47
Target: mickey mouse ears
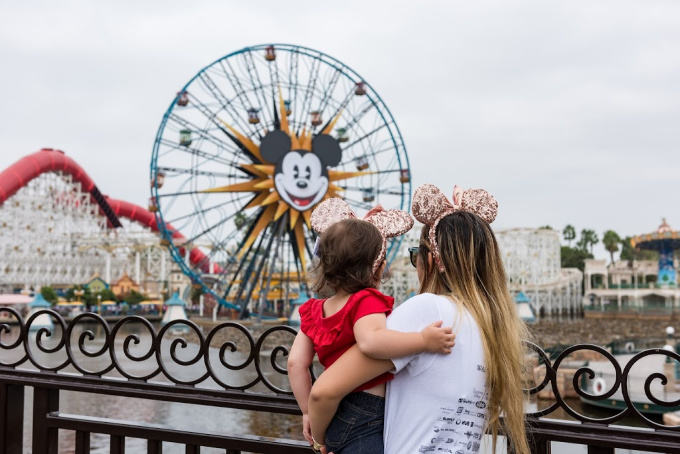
390,223
430,206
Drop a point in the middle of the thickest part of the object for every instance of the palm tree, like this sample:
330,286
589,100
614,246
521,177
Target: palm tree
611,241
569,233
588,238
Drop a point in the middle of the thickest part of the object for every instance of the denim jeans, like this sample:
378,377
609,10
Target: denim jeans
357,427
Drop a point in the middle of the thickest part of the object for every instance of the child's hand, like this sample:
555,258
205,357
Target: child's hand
307,428
438,339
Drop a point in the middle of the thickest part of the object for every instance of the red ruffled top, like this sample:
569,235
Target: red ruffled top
334,335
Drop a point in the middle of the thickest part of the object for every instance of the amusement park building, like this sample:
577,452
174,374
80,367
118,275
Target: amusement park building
532,264
57,229
636,286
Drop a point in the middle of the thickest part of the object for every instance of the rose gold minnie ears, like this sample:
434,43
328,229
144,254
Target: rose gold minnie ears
430,206
390,223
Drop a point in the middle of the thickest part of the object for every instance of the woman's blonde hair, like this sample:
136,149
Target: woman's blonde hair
474,276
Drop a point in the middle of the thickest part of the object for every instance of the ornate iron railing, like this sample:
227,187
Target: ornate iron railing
229,368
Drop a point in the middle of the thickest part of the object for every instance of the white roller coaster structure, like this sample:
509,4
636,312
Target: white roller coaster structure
53,232
532,263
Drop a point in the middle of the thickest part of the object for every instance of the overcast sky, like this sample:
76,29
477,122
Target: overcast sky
568,112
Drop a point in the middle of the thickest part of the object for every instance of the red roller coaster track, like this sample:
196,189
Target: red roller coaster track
29,167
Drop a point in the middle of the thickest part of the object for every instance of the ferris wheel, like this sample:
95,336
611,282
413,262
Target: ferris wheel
249,146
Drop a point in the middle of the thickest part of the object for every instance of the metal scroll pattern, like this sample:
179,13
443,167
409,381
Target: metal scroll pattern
231,358
134,349
619,386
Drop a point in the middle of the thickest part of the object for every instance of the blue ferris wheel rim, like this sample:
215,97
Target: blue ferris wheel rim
379,104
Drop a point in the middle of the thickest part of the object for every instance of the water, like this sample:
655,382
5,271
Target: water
198,418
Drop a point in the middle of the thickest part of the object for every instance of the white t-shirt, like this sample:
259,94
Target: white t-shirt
436,403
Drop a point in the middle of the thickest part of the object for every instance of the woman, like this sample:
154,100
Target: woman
445,402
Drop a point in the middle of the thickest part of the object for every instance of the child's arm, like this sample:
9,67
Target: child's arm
379,342
299,361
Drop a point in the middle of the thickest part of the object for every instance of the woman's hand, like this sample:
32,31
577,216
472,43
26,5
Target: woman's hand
438,339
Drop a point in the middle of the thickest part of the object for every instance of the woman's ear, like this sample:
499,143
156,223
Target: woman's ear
430,262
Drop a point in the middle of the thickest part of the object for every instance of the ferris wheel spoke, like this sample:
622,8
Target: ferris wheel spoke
350,158
223,221
194,151
335,78
241,94
358,203
212,117
246,276
204,211
365,136
226,104
293,82
258,88
310,88
275,85
202,132
362,111
214,251
195,172
175,194
337,111
256,275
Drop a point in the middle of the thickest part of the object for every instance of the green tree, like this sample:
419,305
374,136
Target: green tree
588,239
49,294
545,227
133,297
574,257
611,241
107,295
569,233
89,298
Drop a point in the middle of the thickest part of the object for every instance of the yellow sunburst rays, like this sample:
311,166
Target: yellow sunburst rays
262,184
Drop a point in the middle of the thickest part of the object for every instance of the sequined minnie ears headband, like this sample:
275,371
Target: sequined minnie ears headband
390,223
430,206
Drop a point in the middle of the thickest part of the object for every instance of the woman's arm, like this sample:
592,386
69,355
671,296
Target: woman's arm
301,357
350,371
376,341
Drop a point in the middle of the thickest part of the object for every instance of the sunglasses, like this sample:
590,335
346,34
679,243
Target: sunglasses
413,254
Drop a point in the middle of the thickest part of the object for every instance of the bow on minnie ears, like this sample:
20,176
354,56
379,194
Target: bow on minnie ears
390,223
430,206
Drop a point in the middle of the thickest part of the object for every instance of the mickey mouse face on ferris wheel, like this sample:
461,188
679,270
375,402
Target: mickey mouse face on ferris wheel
300,176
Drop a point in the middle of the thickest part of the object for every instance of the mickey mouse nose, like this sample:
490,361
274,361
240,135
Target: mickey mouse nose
302,184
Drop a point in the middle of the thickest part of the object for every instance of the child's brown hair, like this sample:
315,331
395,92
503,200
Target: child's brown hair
347,251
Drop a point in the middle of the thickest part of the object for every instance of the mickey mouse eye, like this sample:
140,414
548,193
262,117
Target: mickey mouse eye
296,172
308,173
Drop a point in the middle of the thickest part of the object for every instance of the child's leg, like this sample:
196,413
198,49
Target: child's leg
357,427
